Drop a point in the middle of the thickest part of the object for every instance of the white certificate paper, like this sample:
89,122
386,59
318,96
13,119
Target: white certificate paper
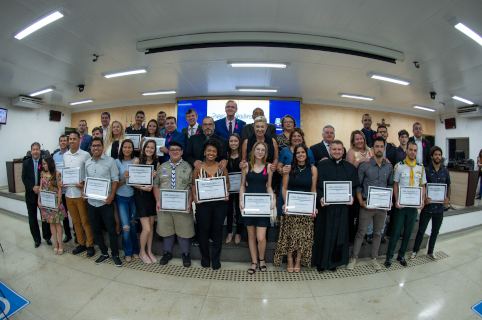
48,199
136,140
257,204
96,188
410,197
379,198
139,174
70,176
301,203
436,192
234,182
211,189
174,200
337,192
160,142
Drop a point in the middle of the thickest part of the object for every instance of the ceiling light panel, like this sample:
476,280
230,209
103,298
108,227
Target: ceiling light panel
81,102
424,108
258,64
466,30
393,79
257,89
42,22
121,73
41,92
153,93
462,99
355,96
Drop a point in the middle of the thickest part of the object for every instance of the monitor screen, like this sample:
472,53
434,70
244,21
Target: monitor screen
460,154
3,116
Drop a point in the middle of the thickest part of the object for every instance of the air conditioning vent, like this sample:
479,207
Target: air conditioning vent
470,111
27,102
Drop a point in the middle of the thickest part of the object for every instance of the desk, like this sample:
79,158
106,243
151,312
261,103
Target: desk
463,187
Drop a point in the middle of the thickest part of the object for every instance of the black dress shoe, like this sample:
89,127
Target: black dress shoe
37,244
370,238
402,261
388,263
165,258
383,240
67,239
49,242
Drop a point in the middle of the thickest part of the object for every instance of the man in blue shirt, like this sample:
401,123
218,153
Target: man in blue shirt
85,139
225,126
370,135
172,135
436,173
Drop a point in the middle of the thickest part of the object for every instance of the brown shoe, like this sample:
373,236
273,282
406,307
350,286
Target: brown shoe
135,256
128,259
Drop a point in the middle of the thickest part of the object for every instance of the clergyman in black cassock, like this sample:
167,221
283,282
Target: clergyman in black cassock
331,243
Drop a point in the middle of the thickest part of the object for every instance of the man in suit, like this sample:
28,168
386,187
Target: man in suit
423,146
85,139
225,126
321,151
31,180
172,135
248,129
390,149
370,135
193,127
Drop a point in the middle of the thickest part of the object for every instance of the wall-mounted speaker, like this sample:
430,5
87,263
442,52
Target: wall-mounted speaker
55,115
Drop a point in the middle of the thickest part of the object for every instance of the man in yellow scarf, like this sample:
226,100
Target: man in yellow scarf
407,173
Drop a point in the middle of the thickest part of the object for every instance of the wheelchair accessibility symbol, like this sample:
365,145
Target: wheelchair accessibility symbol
10,301
5,307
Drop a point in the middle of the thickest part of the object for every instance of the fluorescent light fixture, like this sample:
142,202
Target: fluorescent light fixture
257,89
41,92
469,32
81,102
153,93
355,96
424,108
462,99
253,64
124,73
42,22
388,78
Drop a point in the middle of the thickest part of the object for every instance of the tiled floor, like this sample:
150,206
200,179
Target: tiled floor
70,287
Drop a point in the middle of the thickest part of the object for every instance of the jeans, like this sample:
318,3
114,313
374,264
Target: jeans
127,215
105,214
425,217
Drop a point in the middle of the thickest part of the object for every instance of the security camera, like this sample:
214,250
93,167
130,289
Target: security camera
81,87
432,95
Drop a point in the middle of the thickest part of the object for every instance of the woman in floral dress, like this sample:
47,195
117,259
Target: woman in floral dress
50,181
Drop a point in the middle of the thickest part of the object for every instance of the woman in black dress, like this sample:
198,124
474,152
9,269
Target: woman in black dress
146,203
234,156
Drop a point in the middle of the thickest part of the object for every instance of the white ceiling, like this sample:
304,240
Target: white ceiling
60,54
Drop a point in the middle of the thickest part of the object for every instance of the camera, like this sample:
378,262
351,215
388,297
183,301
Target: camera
81,87
432,95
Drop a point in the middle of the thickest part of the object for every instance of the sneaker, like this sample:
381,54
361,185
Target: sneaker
102,258
186,260
375,264
433,256
351,264
413,256
195,243
79,249
165,258
117,261
90,251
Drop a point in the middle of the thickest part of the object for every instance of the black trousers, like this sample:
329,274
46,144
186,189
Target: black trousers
105,214
66,219
210,218
233,204
425,217
32,210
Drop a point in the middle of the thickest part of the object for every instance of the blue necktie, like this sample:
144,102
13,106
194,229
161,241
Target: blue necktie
35,169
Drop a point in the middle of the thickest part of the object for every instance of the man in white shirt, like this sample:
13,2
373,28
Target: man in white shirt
193,127
423,145
105,120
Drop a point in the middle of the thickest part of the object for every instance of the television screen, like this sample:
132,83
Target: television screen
3,116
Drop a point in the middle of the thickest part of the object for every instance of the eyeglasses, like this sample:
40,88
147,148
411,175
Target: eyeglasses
175,150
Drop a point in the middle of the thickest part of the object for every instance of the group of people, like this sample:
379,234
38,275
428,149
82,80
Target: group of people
269,163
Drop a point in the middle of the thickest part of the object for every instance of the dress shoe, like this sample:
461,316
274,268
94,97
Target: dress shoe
90,252
67,239
370,238
402,261
79,249
388,263
49,242
37,244
383,240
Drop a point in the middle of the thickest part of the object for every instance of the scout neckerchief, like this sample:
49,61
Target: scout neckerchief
412,177
173,173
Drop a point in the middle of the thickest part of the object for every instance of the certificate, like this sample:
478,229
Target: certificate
174,200
160,142
48,199
301,203
257,205
379,198
211,189
70,176
59,166
136,140
96,188
337,192
410,197
139,175
436,192
234,182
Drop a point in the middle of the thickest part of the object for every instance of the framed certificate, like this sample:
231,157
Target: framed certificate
48,199
136,140
257,205
234,182
139,175
301,203
70,176
173,200
211,189
59,166
410,197
160,142
95,188
379,198
337,192
436,192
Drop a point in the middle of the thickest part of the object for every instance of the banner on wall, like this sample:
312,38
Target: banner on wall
216,109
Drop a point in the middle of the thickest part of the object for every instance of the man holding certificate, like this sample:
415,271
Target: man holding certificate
409,189
174,214
438,195
374,202
103,167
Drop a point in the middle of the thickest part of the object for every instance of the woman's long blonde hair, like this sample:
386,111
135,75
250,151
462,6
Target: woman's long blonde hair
109,137
352,140
251,154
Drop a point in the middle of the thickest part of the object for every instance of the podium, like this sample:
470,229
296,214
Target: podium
463,187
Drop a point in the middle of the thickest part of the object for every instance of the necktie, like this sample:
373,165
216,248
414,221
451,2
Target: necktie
173,173
35,170
230,127
192,132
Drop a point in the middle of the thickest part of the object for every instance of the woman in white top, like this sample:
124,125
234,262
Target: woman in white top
113,139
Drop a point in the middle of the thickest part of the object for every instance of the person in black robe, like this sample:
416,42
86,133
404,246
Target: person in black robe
331,243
